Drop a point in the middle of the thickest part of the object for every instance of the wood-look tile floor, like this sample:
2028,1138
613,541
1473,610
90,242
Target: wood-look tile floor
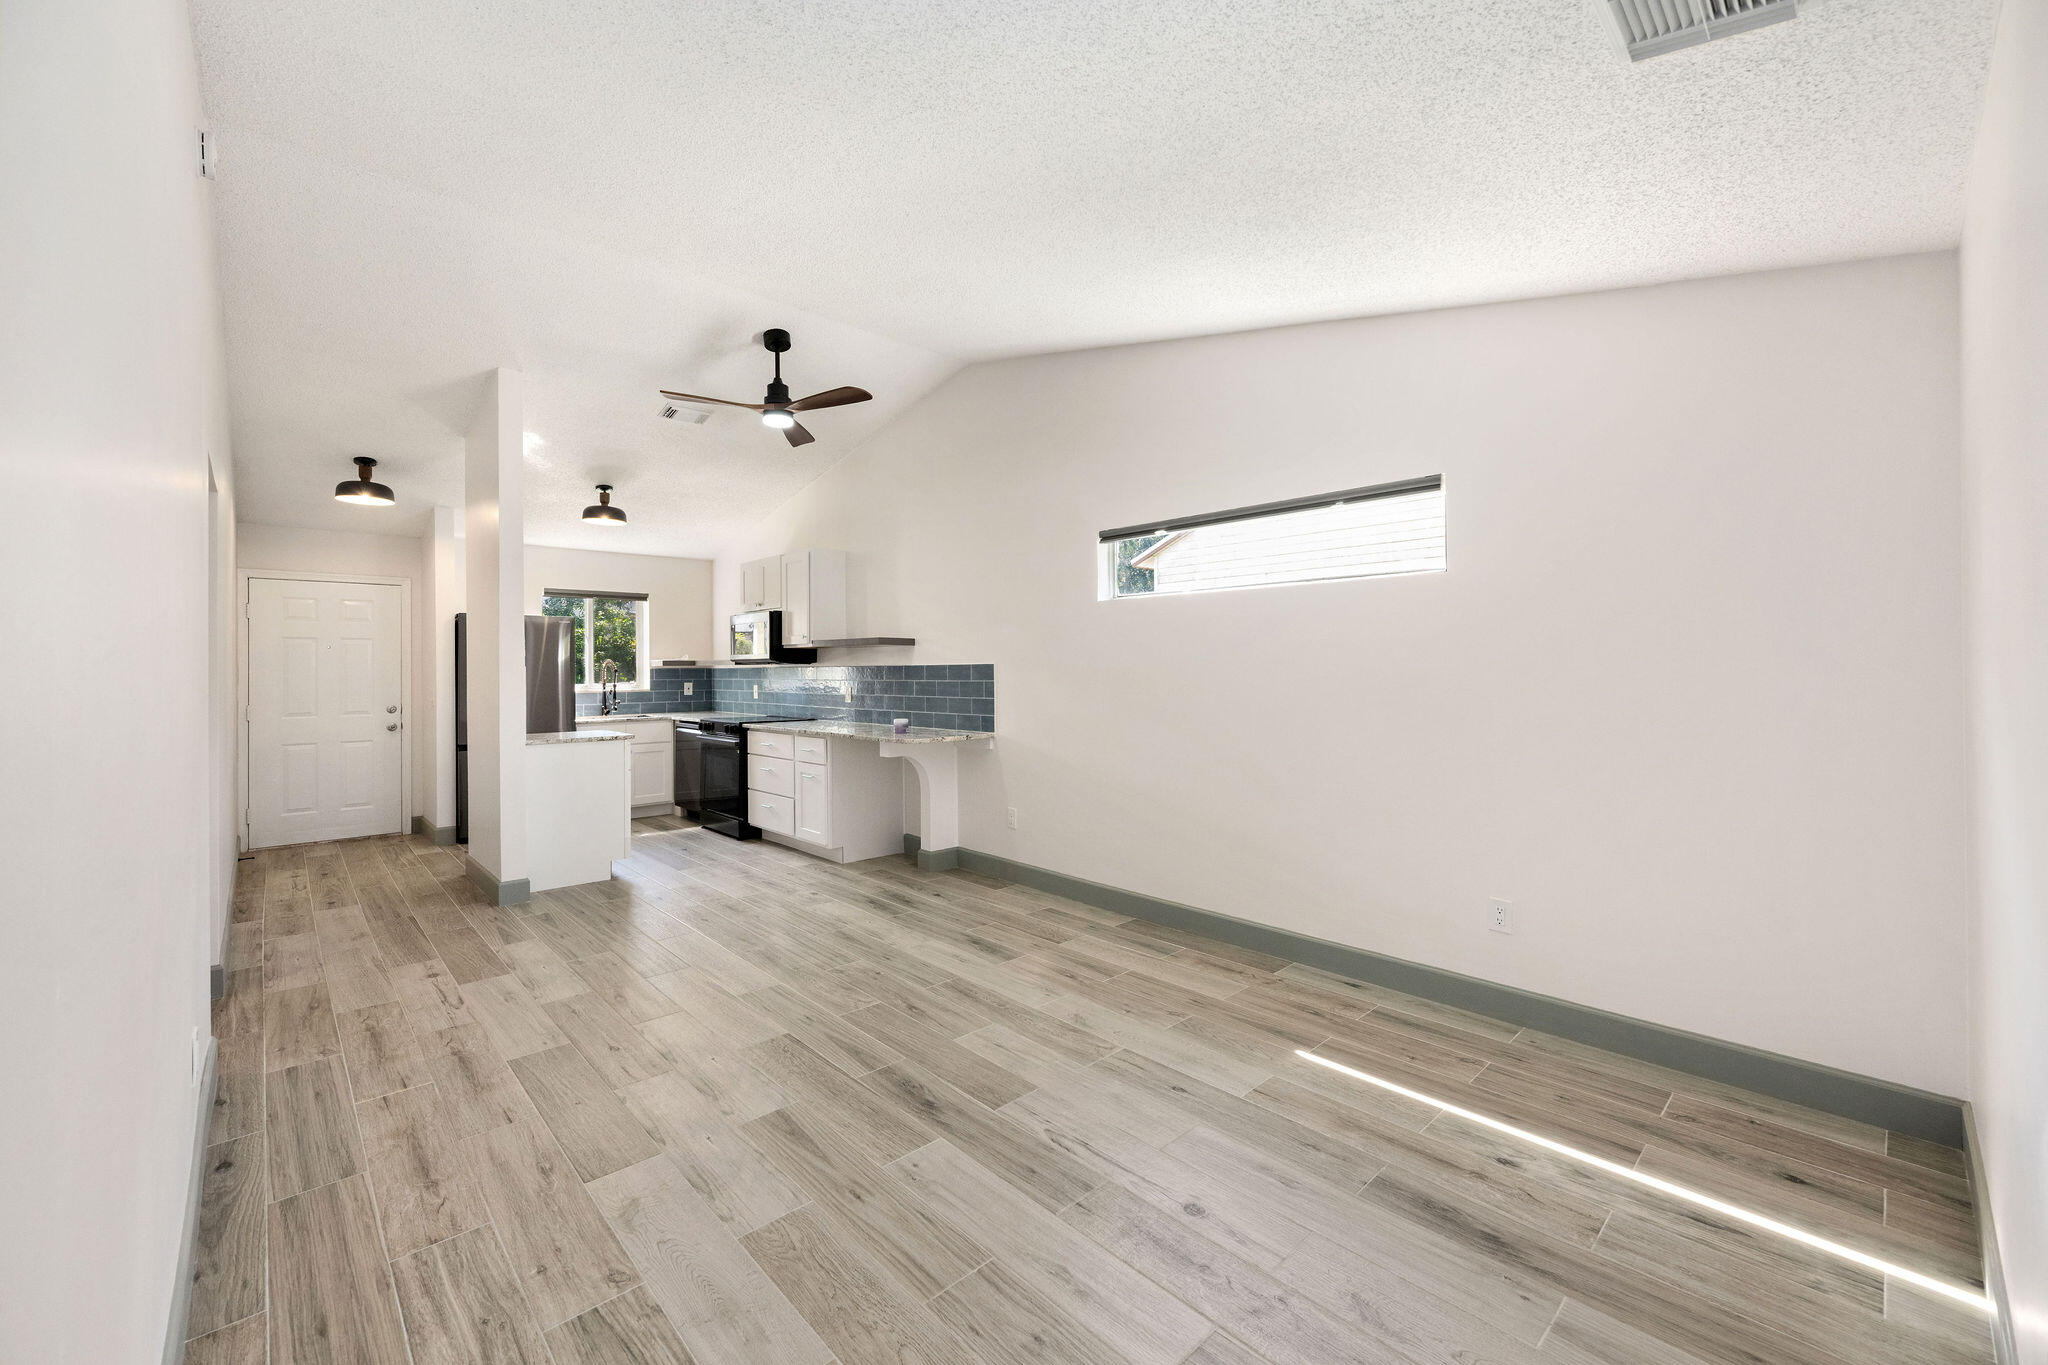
741,1105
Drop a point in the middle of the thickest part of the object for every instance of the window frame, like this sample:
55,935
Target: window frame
1108,541
640,681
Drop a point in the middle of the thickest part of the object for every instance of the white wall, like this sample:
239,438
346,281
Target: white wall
678,592
297,549
1691,694
111,404
2005,443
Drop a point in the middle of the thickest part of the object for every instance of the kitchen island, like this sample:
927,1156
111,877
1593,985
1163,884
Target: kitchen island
579,805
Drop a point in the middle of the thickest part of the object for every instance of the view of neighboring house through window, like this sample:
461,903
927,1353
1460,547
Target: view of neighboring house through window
611,628
1360,533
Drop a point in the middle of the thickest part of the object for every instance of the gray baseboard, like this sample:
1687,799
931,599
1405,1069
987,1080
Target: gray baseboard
2004,1350
937,860
1902,1109
188,1245
444,835
516,892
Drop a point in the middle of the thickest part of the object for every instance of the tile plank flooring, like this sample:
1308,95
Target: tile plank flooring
739,1105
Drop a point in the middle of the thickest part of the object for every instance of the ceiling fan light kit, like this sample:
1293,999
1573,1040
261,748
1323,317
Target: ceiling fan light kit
777,411
602,512
362,488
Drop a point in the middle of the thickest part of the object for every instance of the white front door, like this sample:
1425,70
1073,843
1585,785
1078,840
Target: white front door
325,688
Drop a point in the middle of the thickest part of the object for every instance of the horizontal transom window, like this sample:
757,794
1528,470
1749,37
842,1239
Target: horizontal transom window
1395,528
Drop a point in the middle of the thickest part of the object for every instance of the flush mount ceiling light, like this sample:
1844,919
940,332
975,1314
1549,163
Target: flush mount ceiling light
602,512
776,409
362,488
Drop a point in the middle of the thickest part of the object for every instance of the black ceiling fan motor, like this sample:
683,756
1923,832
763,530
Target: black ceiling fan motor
777,341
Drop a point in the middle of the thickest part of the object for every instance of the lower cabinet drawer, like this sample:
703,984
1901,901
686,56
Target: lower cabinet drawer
772,745
776,775
813,749
776,814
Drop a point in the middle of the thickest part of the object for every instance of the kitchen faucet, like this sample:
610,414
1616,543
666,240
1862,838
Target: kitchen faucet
608,681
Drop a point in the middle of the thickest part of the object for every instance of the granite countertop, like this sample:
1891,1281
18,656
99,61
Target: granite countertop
575,736
847,729
617,716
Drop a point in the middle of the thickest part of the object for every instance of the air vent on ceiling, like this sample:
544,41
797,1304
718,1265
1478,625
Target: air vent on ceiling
682,412
1650,28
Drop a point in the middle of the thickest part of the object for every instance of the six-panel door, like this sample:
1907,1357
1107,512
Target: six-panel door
325,726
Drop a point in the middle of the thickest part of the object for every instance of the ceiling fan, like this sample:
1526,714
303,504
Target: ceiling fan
776,409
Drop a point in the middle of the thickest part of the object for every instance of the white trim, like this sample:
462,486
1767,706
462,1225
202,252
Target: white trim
406,710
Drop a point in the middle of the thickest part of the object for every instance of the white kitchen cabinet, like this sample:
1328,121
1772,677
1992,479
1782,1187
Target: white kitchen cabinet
761,584
814,804
654,775
813,596
653,757
831,795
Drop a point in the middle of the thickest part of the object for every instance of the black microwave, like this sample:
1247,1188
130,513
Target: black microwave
757,639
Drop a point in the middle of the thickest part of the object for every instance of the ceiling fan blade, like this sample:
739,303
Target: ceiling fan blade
796,434
831,398
700,398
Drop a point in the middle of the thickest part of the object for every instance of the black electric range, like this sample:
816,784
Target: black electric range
711,769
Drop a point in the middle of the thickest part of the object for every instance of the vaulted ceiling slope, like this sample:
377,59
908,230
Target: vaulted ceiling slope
610,193
363,311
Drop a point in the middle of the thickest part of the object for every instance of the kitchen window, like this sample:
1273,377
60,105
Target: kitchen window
608,627
1389,528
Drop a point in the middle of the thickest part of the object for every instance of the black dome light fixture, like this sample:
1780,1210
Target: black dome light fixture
602,512
362,488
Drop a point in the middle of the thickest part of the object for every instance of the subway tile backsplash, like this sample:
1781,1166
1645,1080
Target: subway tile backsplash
955,696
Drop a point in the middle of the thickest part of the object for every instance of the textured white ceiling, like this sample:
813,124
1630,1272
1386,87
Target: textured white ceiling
414,190
362,314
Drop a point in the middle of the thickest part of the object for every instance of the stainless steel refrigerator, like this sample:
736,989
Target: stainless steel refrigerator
550,694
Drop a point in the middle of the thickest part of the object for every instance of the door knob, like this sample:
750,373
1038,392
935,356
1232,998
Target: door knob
392,726
391,710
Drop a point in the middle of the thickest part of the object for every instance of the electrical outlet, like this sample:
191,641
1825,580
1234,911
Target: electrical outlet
689,689
757,691
1500,916
1012,817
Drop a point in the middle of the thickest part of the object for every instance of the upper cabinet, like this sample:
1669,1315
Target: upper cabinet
761,584
812,595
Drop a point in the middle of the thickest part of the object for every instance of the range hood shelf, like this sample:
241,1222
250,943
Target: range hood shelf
863,641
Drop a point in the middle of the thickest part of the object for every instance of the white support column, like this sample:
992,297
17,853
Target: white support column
494,593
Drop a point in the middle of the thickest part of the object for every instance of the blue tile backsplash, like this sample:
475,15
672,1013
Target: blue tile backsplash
954,696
